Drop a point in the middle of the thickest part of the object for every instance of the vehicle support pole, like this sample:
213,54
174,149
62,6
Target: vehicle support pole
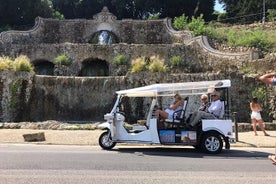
236,127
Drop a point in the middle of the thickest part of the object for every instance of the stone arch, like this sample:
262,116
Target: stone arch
43,67
104,37
94,67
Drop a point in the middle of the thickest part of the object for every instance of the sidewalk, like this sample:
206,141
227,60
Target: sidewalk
90,137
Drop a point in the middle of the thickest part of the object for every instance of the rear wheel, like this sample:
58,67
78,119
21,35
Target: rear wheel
211,143
105,141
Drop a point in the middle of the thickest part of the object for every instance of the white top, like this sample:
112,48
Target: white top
170,89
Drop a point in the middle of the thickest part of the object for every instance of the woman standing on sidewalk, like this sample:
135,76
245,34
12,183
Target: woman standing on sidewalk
256,116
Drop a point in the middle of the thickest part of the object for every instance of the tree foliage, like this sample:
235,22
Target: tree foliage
246,11
23,12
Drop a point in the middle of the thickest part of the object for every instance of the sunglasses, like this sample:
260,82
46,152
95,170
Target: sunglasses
213,95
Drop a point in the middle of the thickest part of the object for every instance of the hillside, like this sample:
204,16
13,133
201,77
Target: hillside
240,38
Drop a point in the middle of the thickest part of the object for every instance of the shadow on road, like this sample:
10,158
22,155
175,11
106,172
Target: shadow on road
191,152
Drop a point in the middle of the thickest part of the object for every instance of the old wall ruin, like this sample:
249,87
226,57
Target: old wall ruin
80,40
27,97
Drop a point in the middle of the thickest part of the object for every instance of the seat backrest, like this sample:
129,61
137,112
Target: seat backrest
153,103
182,113
222,110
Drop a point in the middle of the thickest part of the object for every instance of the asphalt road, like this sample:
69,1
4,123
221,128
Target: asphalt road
56,164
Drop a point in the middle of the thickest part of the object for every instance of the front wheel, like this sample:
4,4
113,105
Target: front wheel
211,143
105,141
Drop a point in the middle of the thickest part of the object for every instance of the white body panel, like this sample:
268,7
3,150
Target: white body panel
222,126
148,136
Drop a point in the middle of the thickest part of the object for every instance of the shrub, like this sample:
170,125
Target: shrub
138,64
5,63
249,38
197,25
181,22
175,61
271,14
156,65
22,63
152,64
154,16
120,60
63,60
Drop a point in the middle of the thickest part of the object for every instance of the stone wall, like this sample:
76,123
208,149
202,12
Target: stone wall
52,31
15,95
28,97
50,38
195,59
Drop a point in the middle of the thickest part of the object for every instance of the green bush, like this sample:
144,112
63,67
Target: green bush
63,60
22,63
271,14
153,17
249,38
120,60
197,25
181,22
175,61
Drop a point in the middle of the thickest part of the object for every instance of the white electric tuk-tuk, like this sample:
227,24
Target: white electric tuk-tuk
208,136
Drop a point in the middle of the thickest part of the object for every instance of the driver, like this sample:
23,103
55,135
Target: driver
169,112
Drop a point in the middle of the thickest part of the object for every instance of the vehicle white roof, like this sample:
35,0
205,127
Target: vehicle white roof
170,89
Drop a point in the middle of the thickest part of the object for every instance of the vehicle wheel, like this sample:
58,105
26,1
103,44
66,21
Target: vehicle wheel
211,143
105,141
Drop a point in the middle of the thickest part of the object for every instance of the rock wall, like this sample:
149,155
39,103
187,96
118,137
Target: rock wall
50,38
15,95
28,97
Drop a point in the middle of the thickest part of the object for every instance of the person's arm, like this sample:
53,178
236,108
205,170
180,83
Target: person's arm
259,107
177,104
251,106
269,78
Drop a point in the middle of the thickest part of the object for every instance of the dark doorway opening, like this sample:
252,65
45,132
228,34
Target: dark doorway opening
43,67
94,67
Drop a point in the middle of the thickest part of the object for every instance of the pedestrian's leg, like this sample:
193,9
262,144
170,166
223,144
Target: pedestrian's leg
261,125
254,122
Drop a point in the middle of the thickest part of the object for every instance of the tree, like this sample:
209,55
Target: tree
135,9
23,12
246,11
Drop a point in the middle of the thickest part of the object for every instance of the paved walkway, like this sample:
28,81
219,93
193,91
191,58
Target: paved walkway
90,137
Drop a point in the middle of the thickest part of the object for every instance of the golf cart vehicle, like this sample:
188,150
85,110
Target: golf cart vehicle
208,136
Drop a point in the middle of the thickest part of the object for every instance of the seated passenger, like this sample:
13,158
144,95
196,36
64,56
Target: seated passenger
168,113
213,112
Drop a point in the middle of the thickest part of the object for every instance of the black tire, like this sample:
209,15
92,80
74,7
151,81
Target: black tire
211,142
105,141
